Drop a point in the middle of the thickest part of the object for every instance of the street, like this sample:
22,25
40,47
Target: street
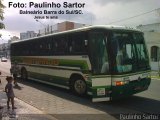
62,104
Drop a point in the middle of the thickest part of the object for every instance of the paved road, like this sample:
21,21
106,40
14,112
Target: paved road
62,104
5,66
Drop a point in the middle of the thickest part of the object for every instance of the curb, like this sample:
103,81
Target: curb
155,77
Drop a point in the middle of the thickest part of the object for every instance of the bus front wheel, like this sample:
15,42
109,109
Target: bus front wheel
79,87
24,74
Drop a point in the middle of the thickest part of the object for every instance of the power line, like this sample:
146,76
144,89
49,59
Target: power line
134,16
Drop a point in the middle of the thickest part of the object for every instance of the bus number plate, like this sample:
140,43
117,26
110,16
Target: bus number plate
100,91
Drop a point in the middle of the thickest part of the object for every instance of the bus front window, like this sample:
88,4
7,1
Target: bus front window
142,54
129,52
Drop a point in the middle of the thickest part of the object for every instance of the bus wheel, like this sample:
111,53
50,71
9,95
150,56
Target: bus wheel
80,87
24,74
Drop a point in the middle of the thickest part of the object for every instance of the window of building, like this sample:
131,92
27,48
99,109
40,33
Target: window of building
154,53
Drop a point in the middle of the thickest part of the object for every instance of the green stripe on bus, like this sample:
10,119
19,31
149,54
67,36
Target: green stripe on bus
117,76
49,78
130,89
74,63
101,76
130,74
96,87
62,62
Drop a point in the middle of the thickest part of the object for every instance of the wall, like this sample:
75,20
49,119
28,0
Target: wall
152,39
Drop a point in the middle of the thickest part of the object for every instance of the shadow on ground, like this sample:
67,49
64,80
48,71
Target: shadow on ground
133,104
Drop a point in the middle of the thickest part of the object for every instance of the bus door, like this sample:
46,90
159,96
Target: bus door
101,80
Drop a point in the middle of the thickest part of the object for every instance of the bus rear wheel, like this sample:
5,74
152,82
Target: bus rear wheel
79,87
24,74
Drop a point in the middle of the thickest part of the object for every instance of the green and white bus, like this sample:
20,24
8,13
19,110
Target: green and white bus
105,62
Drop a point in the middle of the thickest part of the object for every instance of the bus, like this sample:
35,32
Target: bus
104,62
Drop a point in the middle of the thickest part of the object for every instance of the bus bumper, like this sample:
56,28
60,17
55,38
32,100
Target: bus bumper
133,87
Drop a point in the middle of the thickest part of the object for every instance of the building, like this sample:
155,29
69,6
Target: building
5,47
59,27
28,34
152,36
4,50
14,38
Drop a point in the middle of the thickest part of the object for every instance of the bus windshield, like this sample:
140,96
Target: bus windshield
129,52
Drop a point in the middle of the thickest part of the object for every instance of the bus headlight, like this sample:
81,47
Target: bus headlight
126,80
119,83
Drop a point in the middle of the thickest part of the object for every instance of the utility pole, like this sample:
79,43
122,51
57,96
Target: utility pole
45,26
158,61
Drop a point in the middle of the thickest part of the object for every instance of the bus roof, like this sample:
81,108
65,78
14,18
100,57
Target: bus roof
107,27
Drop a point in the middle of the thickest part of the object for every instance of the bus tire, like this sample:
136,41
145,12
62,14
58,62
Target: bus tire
24,74
79,86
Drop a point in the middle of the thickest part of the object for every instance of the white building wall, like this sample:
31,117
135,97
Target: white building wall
152,37
23,36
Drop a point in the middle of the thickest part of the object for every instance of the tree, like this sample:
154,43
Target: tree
1,15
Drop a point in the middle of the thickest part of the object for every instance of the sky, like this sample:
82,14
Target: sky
95,12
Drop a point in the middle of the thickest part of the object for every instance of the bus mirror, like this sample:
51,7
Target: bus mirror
86,42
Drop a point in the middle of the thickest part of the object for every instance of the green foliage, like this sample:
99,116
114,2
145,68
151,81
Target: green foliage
2,25
1,15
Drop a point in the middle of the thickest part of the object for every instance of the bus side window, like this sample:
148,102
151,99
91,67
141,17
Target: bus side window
98,53
53,49
78,43
70,46
59,46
